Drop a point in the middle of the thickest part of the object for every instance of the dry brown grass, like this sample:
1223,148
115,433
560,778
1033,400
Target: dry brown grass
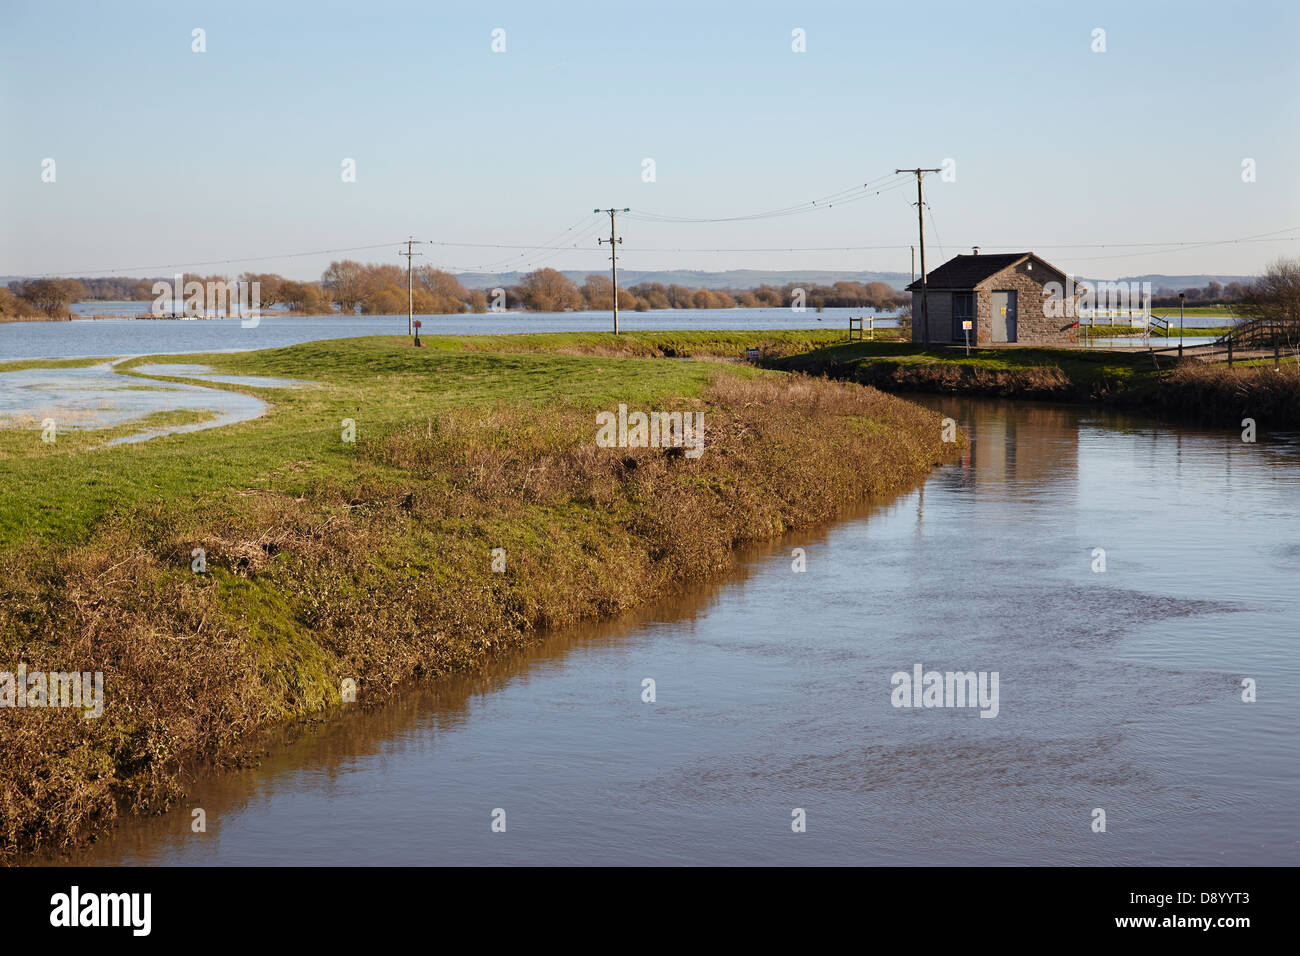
388,578
1041,382
1226,395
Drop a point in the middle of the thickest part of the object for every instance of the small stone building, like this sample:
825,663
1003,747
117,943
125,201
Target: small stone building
1002,296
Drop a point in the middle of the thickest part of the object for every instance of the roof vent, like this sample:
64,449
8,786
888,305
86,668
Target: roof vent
974,250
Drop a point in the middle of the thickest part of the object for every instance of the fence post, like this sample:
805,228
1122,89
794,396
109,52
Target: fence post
1229,350
1277,359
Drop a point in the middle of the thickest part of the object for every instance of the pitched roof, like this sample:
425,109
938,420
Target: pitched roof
966,271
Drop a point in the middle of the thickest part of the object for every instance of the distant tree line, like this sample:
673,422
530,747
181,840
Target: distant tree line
371,289
117,289
1213,293
40,298
548,290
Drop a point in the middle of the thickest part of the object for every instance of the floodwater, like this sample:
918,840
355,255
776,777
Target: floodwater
83,338
1118,691
98,396
1156,343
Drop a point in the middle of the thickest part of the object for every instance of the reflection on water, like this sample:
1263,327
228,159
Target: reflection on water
1119,690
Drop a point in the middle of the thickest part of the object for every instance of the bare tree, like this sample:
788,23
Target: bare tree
547,290
346,283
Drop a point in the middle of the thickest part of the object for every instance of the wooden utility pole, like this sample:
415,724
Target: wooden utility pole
410,295
614,242
920,223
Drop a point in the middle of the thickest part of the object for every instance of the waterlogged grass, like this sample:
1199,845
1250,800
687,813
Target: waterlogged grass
18,365
372,560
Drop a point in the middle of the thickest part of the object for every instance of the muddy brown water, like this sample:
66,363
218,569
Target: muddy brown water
1118,690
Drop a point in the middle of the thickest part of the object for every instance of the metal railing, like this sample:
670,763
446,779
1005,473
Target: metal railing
1135,318
1249,340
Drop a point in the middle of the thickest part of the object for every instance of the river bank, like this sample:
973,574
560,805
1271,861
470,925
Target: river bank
232,581
1119,690
1190,389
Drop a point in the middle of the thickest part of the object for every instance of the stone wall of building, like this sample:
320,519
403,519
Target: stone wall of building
1032,322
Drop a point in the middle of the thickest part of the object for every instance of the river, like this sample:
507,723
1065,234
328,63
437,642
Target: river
1119,690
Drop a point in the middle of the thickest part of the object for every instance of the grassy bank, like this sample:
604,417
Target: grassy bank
666,344
1191,389
372,560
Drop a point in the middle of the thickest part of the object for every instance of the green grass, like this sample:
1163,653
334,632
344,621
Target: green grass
681,344
56,492
20,364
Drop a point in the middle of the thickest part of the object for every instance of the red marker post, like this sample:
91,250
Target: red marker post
417,334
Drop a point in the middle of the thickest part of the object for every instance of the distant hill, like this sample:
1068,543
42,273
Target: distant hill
1178,283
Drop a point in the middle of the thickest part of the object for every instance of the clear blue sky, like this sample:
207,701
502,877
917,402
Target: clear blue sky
168,156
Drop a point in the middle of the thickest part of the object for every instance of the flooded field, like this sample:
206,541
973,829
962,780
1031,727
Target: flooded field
96,337
100,396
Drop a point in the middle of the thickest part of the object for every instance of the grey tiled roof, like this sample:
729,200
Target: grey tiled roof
964,272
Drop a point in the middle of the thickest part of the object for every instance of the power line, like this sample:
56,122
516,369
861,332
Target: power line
566,240
841,197
557,238
573,243
983,245
935,228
